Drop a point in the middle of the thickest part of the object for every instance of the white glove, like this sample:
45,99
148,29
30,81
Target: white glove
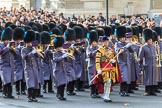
112,60
128,45
33,51
99,71
19,46
72,46
8,45
64,55
47,48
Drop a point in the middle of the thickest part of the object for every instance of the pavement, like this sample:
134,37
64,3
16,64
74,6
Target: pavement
83,100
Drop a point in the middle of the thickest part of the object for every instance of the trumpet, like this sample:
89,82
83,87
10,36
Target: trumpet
158,55
69,52
40,51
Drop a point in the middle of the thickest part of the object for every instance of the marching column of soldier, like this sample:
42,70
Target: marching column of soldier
69,56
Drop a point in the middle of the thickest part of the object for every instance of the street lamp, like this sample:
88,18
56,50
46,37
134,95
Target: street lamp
107,12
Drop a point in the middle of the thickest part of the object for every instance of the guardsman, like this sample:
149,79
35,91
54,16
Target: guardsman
70,36
29,56
124,49
7,62
91,53
158,30
18,37
78,58
147,57
59,71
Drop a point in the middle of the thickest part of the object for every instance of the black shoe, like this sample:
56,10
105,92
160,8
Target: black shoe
121,93
107,100
18,93
10,97
5,96
61,98
146,94
44,91
158,91
40,96
130,91
51,91
126,94
71,93
135,88
34,100
153,94
30,100
23,93
95,96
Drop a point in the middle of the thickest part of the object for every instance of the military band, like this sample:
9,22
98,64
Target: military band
68,57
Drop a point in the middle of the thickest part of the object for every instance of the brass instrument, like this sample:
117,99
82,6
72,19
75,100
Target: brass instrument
12,45
158,55
51,45
69,51
134,39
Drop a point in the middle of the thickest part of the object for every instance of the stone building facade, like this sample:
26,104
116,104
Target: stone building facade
92,7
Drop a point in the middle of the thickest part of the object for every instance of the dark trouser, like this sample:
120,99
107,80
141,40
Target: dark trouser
60,90
22,84
49,82
7,90
94,90
70,87
124,87
1,84
32,93
79,84
150,89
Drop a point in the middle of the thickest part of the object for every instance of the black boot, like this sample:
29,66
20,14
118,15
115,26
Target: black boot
160,85
10,92
147,91
126,87
23,87
17,87
130,90
34,93
50,86
29,95
44,86
70,88
5,91
60,92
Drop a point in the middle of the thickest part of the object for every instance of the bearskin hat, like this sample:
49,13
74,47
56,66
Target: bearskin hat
148,34
29,36
45,27
38,37
155,36
158,30
79,32
120,31
18,34
58,41
45,37
70,34
7,34
55,31
100,31
39,26
92,36
107,30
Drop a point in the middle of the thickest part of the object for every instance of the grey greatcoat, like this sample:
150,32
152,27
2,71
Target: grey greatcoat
91,52
40,70
135,70
124,61
147,57
59,69
19,68
70,69
6,64
47,65
30,67
78,64
160,68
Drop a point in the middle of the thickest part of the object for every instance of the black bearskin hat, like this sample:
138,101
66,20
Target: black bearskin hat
148,34
70,34
58,41
92,36
79,32
107,30
100,31
29,36
158,30
37,37
45,37
120,31
155,36
55,31
45,27
7,34
18,34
